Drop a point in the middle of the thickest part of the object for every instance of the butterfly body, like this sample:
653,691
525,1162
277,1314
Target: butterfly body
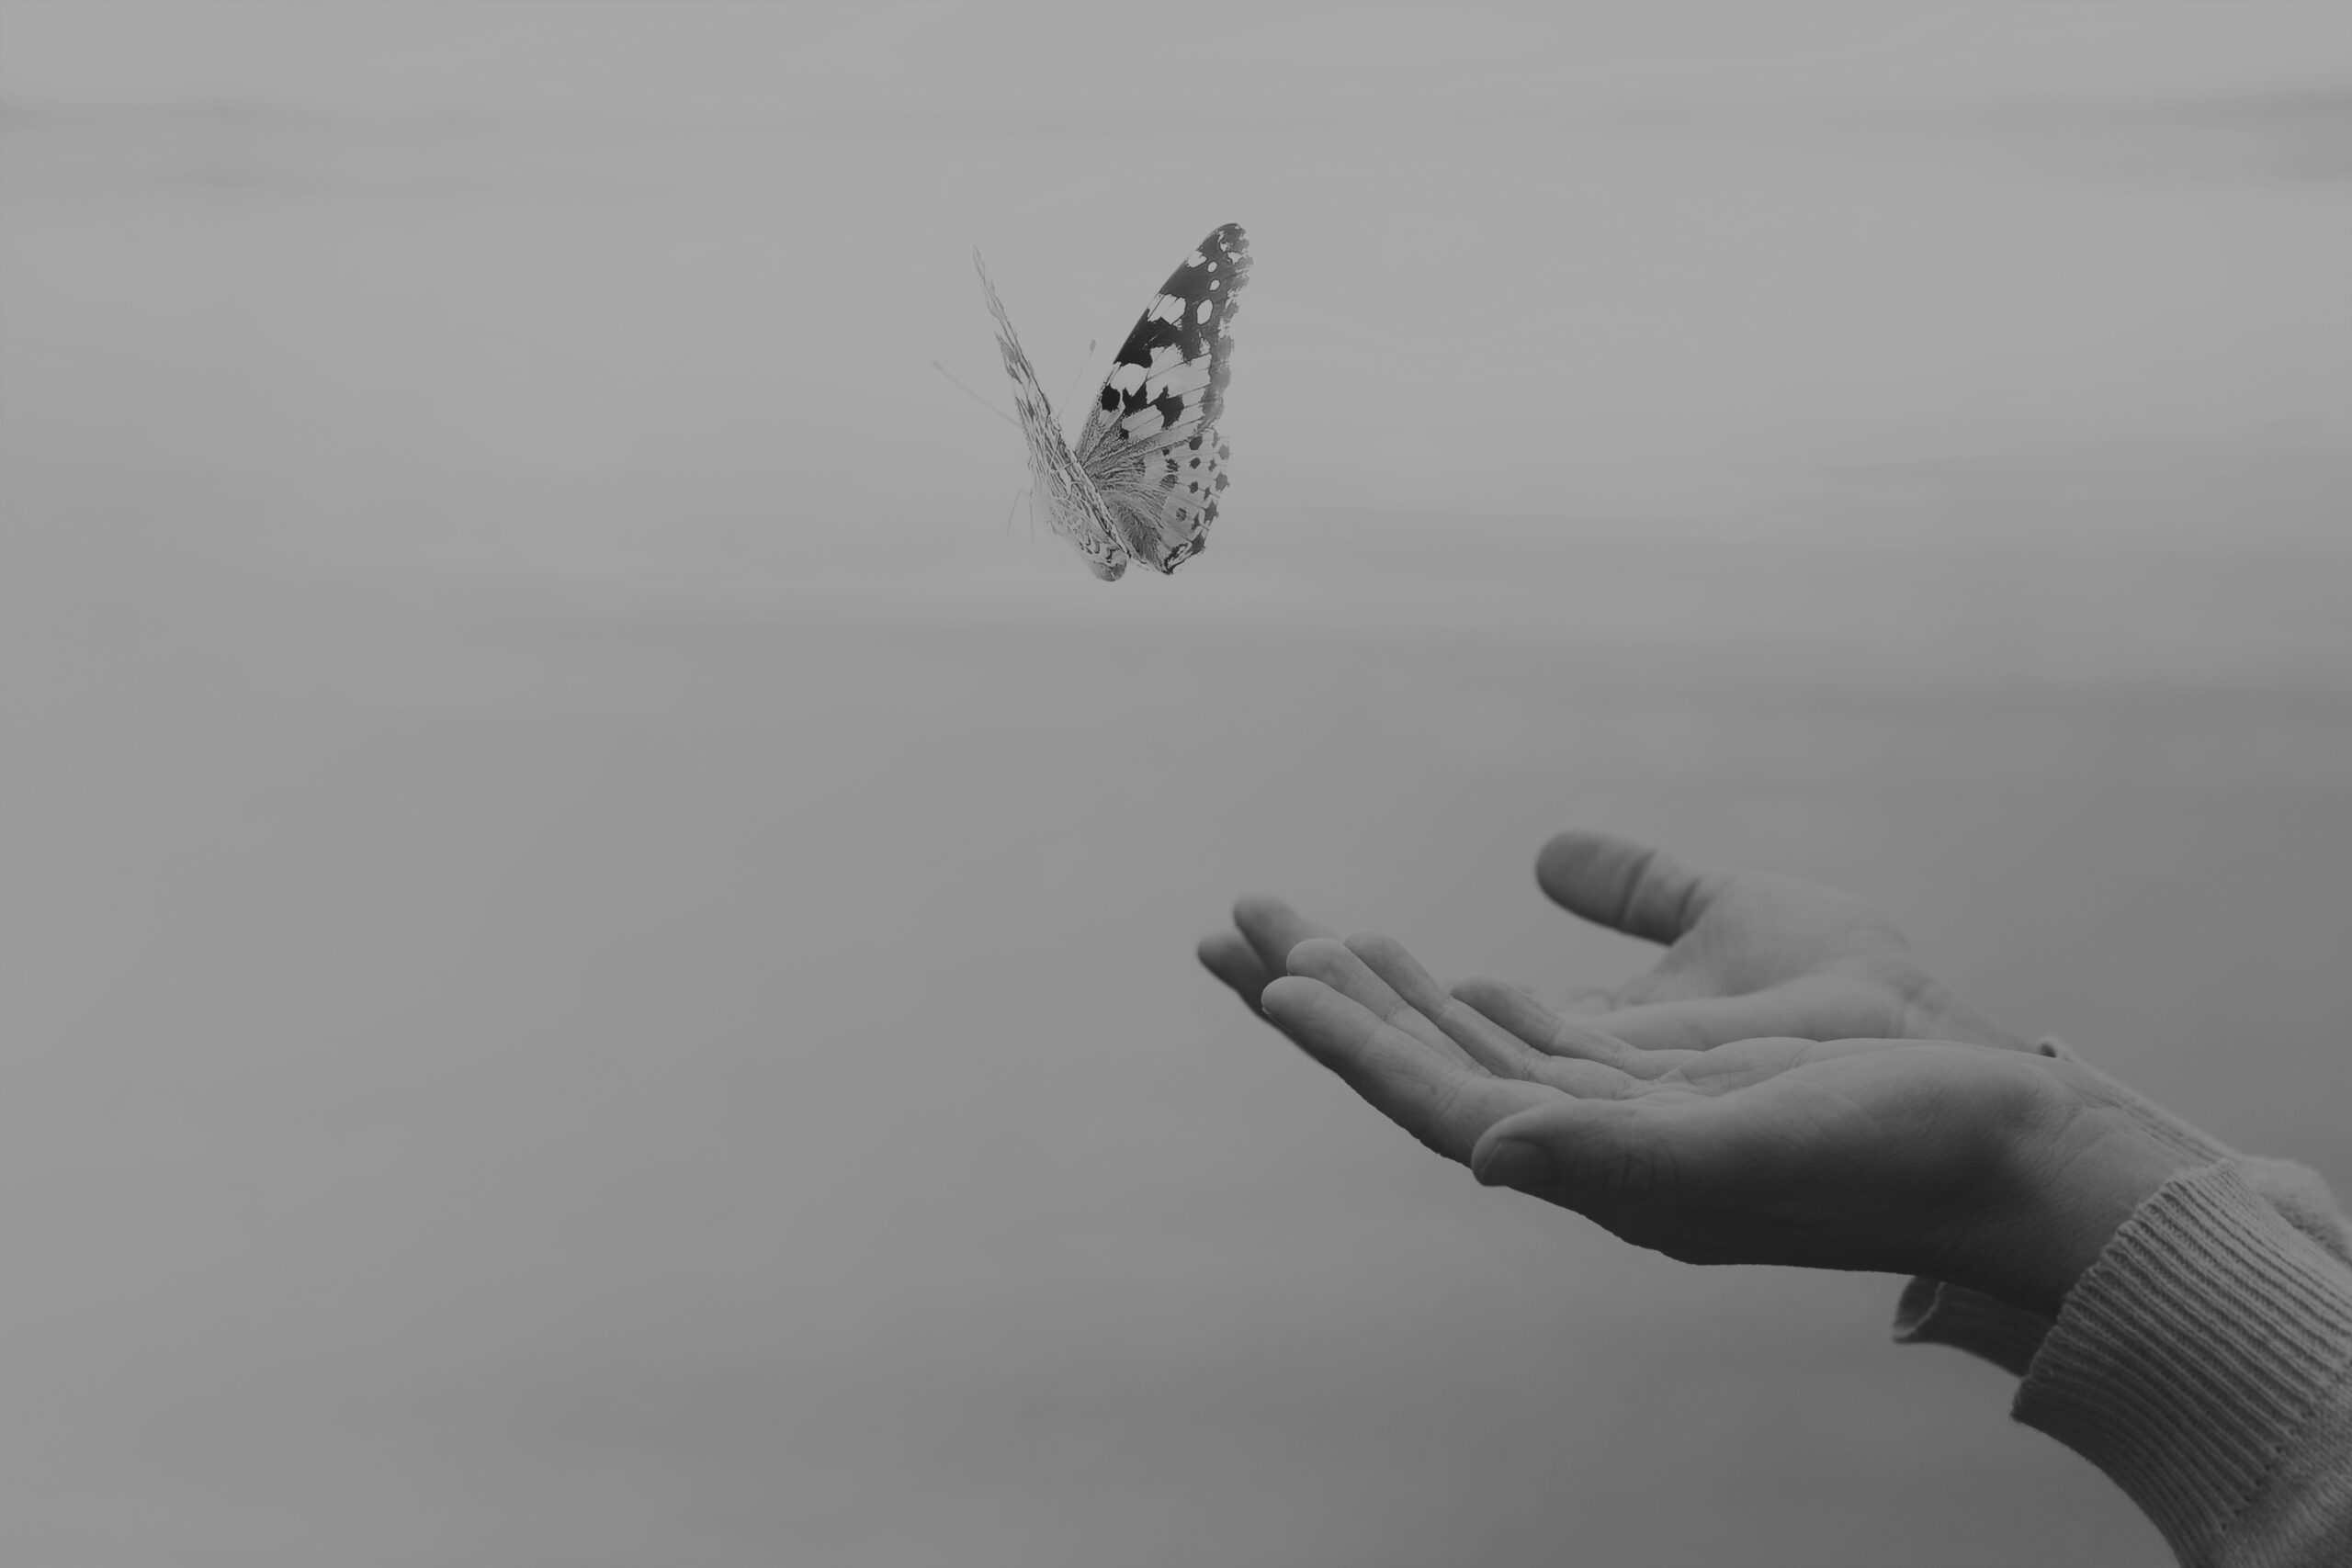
1143,481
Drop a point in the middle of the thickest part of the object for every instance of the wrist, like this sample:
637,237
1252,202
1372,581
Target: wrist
2079,1174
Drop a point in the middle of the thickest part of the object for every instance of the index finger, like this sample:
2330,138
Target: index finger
1273,927
1554,1033
1486,1040
1443,1104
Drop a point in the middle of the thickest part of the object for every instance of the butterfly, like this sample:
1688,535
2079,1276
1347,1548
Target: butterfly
1142,479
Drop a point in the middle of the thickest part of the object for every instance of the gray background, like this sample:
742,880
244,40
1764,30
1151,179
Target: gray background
597,957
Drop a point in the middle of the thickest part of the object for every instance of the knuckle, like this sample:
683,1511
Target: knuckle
1312,958
1635,881
1438,1130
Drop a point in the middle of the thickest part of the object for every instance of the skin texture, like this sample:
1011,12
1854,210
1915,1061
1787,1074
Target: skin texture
1747,954
1786,1086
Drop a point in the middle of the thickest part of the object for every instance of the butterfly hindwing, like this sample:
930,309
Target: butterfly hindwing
1072,505
1150,447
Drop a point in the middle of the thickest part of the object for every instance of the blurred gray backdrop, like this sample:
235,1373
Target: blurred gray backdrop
597,950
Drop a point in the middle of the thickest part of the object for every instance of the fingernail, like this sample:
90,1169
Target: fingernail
1515,1164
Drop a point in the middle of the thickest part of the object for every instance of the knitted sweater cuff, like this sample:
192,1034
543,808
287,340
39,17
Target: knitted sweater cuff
1935,1312
2187,1358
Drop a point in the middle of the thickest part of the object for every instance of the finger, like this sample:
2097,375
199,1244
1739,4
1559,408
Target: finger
1816,1007
1624,1161
1333,964
1443,1104
1494,1049
1574,999
1230,957
1487,1043
1554,1035
1273,927
1634,888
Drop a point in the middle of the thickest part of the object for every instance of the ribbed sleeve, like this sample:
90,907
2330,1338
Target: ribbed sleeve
2203,1363
1933,1312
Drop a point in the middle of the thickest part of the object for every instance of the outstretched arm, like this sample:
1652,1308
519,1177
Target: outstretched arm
1750,954
2201,1351
1974,1164
2181,1316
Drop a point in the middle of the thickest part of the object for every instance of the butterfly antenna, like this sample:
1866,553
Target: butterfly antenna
1010,510
976,397
1078,379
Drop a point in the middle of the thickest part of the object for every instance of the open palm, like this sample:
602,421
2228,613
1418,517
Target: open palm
1747,954
1935,1157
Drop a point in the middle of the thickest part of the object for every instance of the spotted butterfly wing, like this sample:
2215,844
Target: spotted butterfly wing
1150,447
1072,506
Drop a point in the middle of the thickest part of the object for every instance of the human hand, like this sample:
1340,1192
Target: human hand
2001,1171
1749,955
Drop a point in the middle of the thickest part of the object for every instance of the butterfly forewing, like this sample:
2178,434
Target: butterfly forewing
1150,447
1076,511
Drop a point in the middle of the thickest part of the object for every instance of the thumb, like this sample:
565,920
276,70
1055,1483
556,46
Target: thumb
1633,887
1584,1154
